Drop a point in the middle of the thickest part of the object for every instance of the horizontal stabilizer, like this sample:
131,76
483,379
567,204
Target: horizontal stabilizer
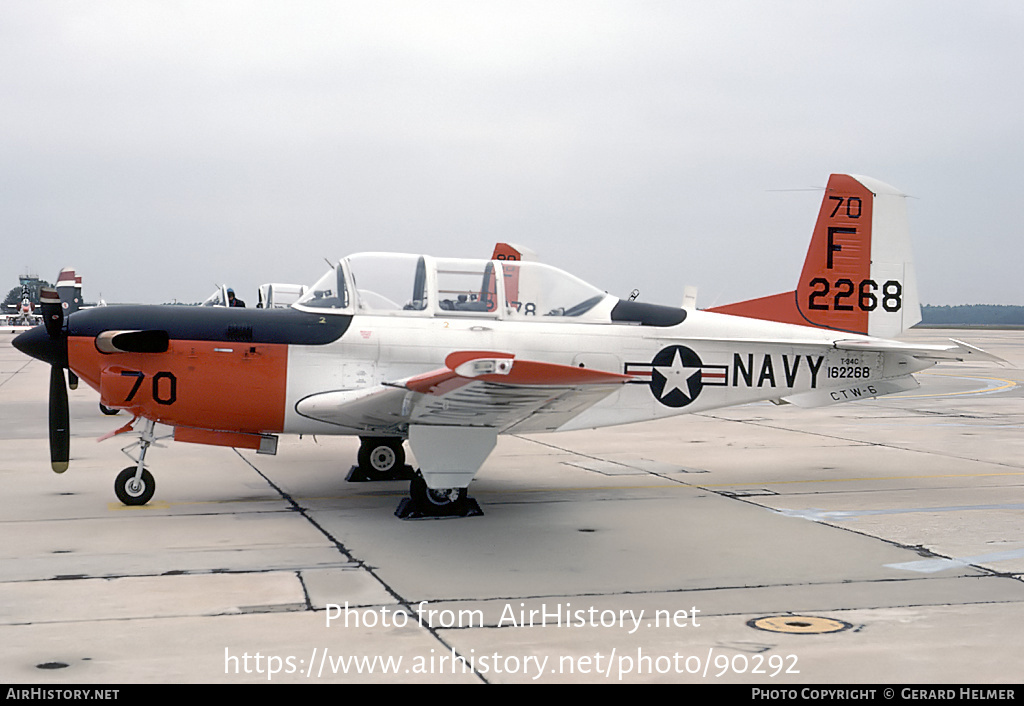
960,352
854,392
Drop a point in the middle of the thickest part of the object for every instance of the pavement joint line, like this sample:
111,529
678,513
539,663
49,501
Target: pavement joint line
401,600
11,376
857,442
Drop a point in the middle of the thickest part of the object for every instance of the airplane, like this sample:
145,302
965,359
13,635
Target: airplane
23,314
272,295
276,295
69,288
449,353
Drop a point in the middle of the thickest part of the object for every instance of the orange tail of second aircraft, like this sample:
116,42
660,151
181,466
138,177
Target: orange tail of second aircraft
859,273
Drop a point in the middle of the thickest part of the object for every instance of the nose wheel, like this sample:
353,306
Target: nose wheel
132,490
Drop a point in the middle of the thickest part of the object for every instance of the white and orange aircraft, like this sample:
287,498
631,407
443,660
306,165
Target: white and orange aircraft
23,314
450,353
69,287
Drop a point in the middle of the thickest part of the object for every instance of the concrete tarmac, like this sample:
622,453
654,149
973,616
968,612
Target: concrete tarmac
871,542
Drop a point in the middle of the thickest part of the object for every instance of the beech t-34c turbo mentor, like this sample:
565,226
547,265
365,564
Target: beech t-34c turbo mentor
449,353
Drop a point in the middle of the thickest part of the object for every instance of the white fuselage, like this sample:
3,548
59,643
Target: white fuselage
738,361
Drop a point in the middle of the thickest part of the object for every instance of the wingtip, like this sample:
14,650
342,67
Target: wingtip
975,353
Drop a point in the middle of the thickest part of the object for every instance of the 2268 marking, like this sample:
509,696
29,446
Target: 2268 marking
844,295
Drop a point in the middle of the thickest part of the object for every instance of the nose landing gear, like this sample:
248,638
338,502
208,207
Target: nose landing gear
135,485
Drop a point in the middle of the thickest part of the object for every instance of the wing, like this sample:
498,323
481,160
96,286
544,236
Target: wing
474,389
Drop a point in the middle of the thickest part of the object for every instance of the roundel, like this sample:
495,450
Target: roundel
676,376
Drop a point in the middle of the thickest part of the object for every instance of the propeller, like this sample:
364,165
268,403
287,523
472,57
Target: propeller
60,434
60,431
49,343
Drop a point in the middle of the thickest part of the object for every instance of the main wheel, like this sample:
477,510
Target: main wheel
131,491
441,498
381,457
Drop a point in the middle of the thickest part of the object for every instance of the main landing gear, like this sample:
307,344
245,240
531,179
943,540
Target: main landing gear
383,458
426,503
380,458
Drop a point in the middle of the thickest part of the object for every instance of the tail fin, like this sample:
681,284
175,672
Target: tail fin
859,272
511,251
69,287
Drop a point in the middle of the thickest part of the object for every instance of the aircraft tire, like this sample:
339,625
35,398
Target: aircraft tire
424,497
110,411
381,457
131,493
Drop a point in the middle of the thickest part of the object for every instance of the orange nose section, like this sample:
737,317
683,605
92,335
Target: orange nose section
212,385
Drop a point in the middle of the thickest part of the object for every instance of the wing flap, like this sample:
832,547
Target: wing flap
475,388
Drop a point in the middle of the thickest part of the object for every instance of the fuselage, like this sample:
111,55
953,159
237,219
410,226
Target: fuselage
246,371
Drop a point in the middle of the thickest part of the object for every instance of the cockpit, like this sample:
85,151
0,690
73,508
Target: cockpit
392,284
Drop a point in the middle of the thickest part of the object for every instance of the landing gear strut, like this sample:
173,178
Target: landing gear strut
380,458
135,485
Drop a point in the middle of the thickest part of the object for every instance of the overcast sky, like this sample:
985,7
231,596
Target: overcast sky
164,147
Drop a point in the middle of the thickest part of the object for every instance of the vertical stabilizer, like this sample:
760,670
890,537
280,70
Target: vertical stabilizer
858,275
69,288
511,251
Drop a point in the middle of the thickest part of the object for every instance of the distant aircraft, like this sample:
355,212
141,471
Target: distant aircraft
270,296
23,314
222,296
279,296
450,353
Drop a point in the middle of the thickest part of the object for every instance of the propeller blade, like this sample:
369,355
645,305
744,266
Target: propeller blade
60,434
52,347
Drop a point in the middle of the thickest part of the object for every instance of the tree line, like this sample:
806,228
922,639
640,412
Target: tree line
972,315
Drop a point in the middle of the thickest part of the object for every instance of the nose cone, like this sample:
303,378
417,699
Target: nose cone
37,343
